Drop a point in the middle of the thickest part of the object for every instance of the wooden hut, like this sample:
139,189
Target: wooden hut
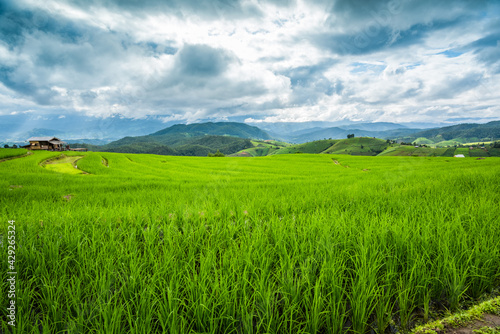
46,143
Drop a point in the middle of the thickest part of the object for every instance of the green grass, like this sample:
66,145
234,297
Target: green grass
278,244
11,152
64,164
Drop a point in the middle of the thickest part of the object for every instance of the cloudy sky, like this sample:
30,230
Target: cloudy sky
274,60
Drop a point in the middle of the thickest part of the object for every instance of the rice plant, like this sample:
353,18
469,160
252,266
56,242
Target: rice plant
277,244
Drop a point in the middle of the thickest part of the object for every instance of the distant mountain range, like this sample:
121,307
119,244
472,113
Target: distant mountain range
448,135
233,138
228,137
19,127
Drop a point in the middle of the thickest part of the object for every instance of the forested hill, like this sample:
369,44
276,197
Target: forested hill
233,129
464,132
193,139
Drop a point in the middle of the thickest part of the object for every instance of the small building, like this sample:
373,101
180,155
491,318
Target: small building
459,156
46,143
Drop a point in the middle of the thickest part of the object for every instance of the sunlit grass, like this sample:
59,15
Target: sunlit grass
63,164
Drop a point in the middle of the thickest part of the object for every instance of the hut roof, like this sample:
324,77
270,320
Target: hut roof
42,138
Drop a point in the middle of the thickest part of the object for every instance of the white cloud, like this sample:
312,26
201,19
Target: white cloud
120,59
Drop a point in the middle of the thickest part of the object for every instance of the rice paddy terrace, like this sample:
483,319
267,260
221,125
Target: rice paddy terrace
299,243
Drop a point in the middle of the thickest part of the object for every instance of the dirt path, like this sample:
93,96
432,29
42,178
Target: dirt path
339,164
488,320
483,318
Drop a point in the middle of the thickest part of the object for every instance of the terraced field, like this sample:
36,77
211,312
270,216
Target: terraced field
296,243
12,152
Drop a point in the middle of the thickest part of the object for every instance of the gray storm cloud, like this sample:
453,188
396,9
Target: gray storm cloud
289,59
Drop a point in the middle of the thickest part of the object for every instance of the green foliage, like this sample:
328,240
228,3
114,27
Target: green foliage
216,154
285,243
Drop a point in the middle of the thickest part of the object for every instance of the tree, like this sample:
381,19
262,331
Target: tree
349,136
14,146
216,154
6,146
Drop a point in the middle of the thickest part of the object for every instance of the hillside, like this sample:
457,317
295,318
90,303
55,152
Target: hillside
261,148
181,144
342,132
188,140
353,146
318,146
418,151
368,146
358,146
457,134
233,129
235,139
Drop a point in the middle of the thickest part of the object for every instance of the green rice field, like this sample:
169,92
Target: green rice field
12,152
294,243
